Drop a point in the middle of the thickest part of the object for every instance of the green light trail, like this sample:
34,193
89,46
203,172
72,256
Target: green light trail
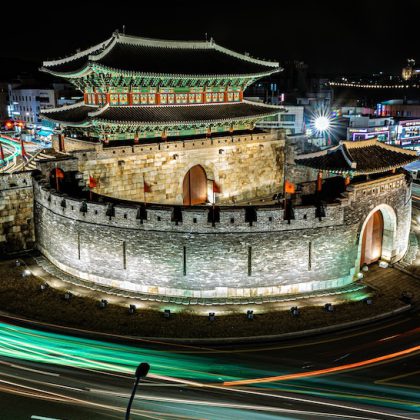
16,146
57,349
45,347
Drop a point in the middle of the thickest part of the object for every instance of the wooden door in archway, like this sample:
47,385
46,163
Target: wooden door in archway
372,239
195,186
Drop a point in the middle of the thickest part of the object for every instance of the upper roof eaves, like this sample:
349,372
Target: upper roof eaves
81,62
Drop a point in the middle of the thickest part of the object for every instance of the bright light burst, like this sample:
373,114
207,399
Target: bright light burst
324,122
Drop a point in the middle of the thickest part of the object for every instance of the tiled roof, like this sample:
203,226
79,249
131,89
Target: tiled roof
359,157
160,115
148,56
76,114
183,113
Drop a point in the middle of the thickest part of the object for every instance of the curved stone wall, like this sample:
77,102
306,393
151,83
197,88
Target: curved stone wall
232,258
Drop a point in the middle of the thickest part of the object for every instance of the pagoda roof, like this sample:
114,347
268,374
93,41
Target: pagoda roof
358,157
83,115
75,115
131,55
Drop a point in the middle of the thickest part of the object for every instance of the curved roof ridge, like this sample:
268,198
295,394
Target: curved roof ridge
101,45
186,75
264,104
350,144
99,111
167,43
347,155
317,154
245,57
162,43
66,107
398,149
104,52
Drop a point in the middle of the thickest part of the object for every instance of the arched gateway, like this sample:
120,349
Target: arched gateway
377,240
372,239
195,186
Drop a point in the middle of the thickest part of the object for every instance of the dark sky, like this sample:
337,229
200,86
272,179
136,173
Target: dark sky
331,36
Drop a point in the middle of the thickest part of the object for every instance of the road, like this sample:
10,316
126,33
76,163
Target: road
370,372
13,150
50,375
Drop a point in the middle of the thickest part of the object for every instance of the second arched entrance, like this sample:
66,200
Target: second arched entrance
372,239
195,186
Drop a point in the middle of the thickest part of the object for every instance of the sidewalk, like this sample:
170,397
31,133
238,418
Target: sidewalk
389,281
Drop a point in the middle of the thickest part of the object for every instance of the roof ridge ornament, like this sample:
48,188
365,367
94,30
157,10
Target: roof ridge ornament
347,156
97,47
67,107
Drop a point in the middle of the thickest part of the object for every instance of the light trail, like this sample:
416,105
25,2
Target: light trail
197,371
14,148
335,369
54,396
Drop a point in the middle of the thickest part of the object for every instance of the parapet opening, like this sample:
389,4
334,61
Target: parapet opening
250,215
176,215
213,215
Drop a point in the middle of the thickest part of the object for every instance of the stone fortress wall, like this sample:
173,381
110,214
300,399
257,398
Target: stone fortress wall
244,166
232,259
16,212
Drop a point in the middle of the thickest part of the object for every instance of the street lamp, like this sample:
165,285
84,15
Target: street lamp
141,372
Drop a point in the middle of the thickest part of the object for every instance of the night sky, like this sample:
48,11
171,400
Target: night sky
333,37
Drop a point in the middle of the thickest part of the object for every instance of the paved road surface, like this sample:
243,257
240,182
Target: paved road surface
63,377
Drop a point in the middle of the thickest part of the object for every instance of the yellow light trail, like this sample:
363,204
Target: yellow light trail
334,369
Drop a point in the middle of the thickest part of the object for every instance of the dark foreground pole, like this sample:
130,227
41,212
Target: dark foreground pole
141,372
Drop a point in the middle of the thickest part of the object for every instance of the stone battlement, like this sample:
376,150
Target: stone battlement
233,258
187,219
16,212
16,180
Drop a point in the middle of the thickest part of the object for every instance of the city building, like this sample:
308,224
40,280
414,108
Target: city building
27,101
399,108
368,127
291,120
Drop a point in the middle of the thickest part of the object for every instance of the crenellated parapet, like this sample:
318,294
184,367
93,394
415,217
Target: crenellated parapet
166,218
237,251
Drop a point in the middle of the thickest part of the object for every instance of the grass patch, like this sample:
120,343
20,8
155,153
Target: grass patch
22,296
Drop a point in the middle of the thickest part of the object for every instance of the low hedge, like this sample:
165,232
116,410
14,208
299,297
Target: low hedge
23,296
